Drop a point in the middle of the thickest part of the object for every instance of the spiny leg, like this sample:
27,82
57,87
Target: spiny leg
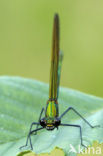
29,136
39,119
34,123
78,126
71,108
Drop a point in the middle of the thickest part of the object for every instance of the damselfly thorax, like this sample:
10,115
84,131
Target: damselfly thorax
51,120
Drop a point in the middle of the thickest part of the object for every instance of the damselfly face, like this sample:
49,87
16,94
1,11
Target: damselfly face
50,123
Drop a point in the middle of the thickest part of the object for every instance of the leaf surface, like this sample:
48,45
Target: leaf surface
21,101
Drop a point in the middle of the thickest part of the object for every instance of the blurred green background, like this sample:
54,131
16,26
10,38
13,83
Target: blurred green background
26,35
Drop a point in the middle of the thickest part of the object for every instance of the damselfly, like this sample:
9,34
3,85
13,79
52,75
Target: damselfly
52,119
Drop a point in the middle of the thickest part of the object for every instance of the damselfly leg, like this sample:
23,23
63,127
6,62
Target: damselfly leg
77,126
34,132
39,120
71,108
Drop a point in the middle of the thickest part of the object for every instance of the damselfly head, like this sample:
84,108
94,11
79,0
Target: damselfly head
50,123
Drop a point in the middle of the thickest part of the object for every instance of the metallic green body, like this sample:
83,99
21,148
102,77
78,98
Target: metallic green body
52,110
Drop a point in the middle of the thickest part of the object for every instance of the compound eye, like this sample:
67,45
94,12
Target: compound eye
42,123
57,123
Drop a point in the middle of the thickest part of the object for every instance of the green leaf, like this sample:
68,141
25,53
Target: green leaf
57,151
21,101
